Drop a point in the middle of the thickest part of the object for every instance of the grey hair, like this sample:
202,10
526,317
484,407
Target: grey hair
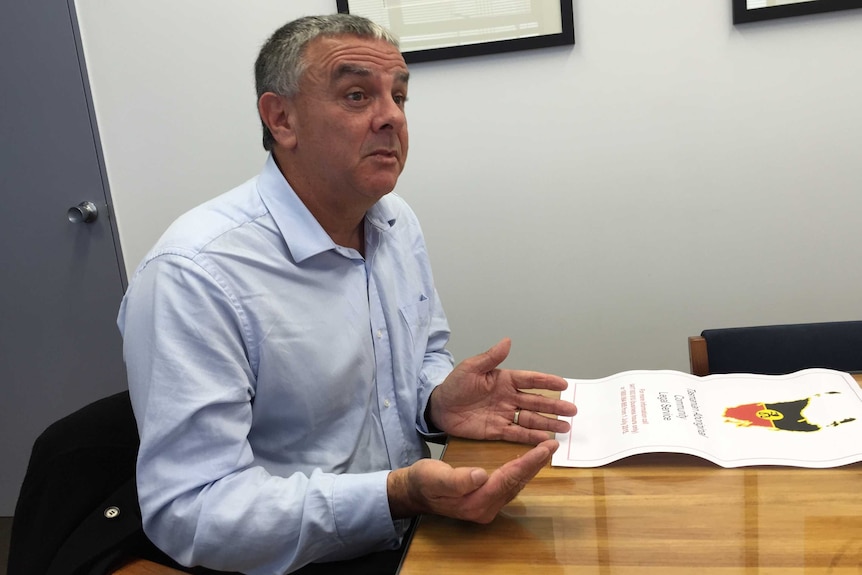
280,63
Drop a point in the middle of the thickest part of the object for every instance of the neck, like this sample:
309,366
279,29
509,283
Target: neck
342,221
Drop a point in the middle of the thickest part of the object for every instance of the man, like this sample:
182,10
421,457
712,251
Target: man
285,343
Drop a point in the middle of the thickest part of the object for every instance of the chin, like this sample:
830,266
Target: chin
380,192
380,188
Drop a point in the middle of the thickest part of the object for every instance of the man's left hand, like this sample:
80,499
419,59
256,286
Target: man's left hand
479,401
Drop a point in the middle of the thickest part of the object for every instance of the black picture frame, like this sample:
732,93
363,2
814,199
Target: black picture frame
429,51
742,13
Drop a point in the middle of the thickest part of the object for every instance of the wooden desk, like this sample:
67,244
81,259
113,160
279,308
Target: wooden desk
657,513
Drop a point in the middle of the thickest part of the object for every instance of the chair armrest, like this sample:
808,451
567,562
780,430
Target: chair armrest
698,358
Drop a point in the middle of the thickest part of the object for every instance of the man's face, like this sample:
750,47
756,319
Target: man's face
349,124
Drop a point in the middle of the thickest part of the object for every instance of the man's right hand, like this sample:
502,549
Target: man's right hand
468,493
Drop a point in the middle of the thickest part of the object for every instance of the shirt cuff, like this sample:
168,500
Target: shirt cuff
360,505
423,425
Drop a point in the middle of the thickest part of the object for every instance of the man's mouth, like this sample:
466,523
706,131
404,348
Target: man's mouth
384,153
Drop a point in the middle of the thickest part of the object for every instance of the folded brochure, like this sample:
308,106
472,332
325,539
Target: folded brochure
810,418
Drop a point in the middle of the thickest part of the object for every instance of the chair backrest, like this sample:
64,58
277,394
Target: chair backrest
78,509
777,349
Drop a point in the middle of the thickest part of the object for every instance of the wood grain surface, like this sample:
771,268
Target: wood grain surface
655,513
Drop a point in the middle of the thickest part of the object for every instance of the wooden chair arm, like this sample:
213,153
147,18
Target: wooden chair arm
698,358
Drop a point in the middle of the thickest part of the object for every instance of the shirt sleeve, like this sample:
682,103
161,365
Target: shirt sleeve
203,499
437,362
436,365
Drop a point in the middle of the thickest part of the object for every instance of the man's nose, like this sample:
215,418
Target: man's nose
390,116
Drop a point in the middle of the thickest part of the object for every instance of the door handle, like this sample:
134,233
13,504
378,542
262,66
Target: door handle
83,213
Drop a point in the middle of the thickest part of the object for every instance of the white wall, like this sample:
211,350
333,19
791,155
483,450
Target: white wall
597,203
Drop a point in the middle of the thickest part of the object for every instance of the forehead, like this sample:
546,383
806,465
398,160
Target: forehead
328,57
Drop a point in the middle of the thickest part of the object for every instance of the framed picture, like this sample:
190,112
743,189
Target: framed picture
441,29
755,10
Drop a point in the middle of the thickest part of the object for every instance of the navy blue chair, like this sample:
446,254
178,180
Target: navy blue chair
777,349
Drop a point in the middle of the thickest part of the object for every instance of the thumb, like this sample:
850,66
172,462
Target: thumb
468,479
485,362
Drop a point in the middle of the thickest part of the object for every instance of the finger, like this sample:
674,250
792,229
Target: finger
537,380
485,362
465,480
516,473
520,434
505,483
551,406
537,421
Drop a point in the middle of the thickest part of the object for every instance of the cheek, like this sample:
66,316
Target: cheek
405,142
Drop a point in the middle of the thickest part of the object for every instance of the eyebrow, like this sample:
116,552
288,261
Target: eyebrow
354,70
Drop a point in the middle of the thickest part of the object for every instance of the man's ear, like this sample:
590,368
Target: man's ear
277,113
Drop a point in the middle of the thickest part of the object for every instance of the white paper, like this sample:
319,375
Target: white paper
811,418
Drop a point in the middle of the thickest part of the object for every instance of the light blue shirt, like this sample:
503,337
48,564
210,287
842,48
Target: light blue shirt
277,377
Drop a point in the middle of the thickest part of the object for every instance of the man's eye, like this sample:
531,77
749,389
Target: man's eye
356,96
400,99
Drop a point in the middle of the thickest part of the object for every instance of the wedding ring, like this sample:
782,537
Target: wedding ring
517,416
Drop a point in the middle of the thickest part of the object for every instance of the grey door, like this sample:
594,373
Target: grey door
62,282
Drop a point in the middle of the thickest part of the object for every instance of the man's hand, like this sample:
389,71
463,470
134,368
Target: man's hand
469,493
479,401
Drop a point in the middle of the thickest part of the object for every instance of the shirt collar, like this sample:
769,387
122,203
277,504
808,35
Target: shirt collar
302,233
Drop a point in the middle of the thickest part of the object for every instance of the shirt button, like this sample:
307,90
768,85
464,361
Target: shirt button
379,334
386,403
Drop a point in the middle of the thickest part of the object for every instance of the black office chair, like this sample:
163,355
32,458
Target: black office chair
77,512
777,349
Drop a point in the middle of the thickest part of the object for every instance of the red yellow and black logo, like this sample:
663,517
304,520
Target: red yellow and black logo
785,415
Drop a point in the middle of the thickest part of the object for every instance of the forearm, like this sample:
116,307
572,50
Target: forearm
256,523
401,505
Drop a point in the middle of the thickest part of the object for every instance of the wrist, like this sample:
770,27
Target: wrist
401,505
429,414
